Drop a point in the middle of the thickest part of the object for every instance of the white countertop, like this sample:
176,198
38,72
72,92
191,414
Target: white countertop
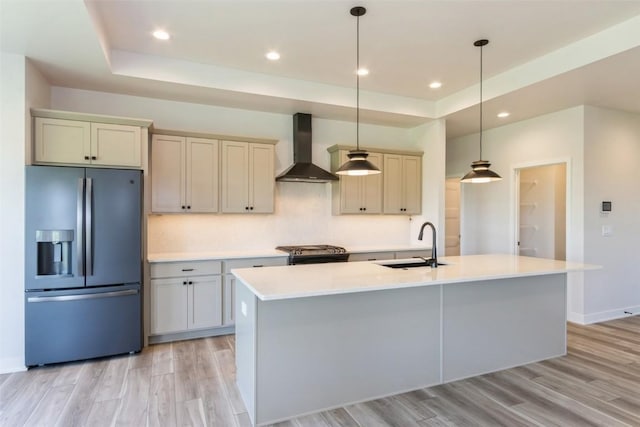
214,255
297,281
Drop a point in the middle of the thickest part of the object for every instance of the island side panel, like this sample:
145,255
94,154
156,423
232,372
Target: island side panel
245,309
498,324
322,352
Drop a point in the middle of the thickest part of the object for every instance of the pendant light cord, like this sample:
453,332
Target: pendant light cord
481,102
358,82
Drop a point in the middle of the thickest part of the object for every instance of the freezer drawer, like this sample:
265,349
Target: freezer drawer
68,325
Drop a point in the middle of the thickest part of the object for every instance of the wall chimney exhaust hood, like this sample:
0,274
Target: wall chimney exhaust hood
302,170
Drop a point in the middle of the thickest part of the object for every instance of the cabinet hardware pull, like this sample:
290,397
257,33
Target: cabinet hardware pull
246,208
184,283
190,282
183,207
188,207
86,157
94,158
187,269
251,208
259,265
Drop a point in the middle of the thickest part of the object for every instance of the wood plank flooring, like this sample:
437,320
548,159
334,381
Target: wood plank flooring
192,383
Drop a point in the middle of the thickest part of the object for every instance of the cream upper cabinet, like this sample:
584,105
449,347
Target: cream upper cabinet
356,194
87,143
402,184
184,174
248,177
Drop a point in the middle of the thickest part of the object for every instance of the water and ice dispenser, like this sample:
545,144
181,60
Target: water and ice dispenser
54,252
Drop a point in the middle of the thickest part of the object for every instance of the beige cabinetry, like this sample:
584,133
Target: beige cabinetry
402,184
356,194
185,296
229,286
248,177
184,174
85,142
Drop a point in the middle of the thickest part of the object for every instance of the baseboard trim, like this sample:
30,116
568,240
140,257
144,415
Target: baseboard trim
8,366
603,316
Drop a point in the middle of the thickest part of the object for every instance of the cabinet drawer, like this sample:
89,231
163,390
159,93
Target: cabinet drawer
371,256
253,262
185,268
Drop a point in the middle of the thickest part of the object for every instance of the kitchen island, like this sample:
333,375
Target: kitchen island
314,337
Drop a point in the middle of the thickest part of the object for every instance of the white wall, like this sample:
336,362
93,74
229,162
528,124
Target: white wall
21,87
302,211
612,155
489,209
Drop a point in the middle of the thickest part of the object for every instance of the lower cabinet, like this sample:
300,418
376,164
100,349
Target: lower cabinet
180,304
185,296
196,298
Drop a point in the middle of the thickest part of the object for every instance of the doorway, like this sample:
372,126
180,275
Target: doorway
541,208
452,217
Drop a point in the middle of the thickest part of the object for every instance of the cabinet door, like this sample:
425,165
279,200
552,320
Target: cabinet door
168,305
116,145
205,301
229,297
168,174
261,178
62,141
235,177
202,175
372,187
393,184
350,191
412,183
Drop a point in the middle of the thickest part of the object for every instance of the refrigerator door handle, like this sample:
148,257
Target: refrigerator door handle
88,211
83,297
80,227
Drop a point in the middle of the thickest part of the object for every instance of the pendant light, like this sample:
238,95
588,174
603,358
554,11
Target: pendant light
358,163
480,172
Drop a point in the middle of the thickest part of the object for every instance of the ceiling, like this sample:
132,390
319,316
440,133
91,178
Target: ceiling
543,56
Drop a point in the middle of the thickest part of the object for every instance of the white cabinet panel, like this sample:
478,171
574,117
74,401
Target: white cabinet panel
168,305
86,143
248,177
184,174
205,302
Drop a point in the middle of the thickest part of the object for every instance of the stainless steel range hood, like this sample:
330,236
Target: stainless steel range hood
302,170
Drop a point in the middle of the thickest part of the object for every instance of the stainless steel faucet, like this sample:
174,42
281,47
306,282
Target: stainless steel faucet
433,261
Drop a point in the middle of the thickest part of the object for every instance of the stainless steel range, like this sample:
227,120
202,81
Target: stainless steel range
315,254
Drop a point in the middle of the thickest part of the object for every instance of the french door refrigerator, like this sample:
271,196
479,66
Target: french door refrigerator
83,263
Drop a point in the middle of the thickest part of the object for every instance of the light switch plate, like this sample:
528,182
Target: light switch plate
607,230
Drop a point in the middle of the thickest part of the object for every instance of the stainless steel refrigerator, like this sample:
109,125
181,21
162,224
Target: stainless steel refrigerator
83,264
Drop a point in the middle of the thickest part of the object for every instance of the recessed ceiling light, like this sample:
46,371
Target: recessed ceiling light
273,55
362,72
161,35
435,85
503,114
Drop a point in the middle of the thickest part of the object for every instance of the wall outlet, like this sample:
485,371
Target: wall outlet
243,308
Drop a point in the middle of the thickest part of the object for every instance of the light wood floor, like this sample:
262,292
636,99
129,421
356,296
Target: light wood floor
192,383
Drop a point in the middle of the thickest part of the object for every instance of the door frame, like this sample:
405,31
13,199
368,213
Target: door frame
515,199
461,213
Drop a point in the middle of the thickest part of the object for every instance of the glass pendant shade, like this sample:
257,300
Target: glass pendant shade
358,165
480,172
